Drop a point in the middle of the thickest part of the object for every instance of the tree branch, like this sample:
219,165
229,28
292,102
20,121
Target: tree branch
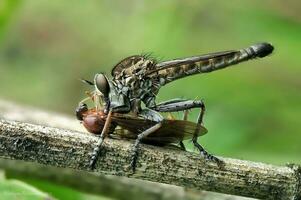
71,149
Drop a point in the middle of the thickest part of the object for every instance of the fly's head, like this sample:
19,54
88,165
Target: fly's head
102,84
113,98
102,88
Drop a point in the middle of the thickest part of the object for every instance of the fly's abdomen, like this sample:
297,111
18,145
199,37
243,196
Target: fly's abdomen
219,62
179,68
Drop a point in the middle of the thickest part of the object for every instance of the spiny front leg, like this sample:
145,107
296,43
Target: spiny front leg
96,150
135,148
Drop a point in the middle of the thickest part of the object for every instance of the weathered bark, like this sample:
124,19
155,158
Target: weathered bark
72,149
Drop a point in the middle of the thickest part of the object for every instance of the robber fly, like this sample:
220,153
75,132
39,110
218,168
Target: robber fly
138,79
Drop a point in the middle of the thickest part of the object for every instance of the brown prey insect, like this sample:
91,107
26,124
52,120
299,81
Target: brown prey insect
172,131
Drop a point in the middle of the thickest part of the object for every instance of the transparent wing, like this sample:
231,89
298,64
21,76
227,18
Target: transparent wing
172,131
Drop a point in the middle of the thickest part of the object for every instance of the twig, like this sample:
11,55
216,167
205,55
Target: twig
71,149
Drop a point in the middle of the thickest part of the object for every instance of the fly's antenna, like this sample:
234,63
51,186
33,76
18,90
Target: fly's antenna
86,81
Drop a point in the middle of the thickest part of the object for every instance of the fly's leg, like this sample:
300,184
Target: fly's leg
185,117
142,135
182,105
182,146
151,115
176,105
203,152
171,101
104,133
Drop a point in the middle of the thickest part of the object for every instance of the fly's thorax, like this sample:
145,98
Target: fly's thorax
132,80
138,87
134,66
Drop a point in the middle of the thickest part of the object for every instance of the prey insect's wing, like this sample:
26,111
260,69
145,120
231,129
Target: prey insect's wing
172,131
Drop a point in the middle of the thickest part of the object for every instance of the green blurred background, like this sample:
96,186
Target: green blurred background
253,109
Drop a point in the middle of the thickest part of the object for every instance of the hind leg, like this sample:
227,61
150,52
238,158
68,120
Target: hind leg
203,152
182,105
185,117
176,105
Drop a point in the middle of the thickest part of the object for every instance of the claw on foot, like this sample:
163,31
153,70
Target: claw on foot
95,154
134,157
92,163
207,156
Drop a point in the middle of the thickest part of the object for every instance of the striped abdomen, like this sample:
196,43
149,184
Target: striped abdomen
179,68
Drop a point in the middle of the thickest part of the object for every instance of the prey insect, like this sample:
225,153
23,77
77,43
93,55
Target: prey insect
171,131
137,79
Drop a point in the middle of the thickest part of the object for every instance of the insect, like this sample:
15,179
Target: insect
128,126
137,79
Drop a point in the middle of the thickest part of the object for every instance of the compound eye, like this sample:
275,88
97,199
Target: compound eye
102,84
